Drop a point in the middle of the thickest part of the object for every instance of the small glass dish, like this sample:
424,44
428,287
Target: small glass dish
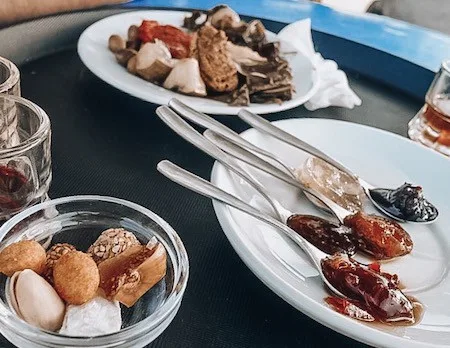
79,220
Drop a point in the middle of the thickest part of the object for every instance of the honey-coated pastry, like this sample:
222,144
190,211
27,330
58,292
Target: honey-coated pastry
76,277
53,255
129,275
112,242
26,254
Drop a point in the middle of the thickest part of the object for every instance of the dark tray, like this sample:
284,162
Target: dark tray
108,143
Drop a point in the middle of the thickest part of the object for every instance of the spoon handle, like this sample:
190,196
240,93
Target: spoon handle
242,154
208,122
205,188
182,128
265,126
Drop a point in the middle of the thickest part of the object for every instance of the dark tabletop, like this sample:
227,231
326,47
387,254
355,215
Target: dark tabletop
108,143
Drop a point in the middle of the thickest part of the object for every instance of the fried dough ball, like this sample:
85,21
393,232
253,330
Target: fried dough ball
26,254
76,277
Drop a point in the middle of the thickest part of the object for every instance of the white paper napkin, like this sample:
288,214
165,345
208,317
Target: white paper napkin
334,89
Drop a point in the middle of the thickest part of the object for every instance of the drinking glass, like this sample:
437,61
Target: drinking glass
9,77
25,160
431,125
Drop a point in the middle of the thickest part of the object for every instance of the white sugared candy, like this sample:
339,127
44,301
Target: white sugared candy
96,317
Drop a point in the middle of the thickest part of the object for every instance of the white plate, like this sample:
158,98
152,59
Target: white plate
384,159
94,52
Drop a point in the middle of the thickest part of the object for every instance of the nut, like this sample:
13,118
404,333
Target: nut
53,255
35,301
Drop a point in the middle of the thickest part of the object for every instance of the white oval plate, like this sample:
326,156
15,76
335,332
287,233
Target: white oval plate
384,159
93,51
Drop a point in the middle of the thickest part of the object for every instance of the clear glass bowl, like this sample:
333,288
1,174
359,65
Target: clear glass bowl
79,220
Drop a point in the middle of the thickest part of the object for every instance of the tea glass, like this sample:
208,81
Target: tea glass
431,125
25,159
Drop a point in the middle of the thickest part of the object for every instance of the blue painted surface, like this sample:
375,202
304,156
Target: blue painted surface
422,47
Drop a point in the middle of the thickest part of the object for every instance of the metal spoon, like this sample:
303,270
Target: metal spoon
339,241
248,157
208,122
205,188
183,129
386,240
373,193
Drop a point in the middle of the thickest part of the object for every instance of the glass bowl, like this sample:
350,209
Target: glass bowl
79,220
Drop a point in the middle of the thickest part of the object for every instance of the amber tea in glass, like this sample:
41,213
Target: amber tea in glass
431,125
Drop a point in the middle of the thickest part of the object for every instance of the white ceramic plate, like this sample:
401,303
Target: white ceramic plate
384,159
94,52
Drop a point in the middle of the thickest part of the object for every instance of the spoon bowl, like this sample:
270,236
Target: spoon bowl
377,196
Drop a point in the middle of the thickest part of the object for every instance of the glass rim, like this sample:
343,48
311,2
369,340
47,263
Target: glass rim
14,75
37,137
446,65
156,320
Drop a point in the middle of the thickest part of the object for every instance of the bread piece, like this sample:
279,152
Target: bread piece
216,67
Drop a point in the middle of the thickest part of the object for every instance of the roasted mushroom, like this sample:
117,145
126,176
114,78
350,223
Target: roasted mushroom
185,78
131,65
255,35
124,55
223,17
153,61
244,55
195,21
133,33
116,43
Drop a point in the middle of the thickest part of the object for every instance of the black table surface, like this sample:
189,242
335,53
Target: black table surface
108,143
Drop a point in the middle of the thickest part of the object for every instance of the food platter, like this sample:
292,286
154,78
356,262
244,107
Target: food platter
286,270
93,51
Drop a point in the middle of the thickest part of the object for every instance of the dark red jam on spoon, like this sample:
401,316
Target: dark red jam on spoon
326,236
372,295
381,237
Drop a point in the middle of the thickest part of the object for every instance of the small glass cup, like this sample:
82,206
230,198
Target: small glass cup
25,160
9,77
431,125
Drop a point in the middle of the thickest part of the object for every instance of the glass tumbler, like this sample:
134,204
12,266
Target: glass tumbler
431,125
25,160
9,84
9,77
